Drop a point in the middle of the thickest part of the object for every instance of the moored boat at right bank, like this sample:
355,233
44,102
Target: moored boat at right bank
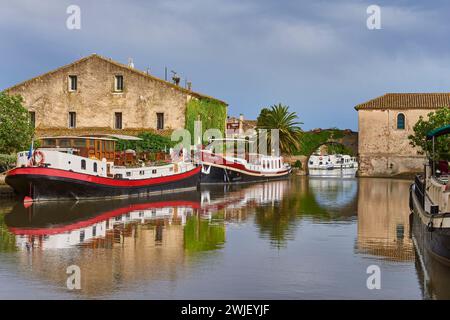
429,201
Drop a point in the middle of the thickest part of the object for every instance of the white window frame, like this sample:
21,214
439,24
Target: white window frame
69,120
116,82
71,76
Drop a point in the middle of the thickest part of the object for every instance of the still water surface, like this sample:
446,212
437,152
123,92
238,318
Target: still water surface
306,238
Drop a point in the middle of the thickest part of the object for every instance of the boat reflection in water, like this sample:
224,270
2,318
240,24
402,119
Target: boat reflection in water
279,239
131,240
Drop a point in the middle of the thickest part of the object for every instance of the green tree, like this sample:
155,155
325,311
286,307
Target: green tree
279,117
16,130
150,142
434,120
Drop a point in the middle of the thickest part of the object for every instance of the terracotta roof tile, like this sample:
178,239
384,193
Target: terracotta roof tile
407,101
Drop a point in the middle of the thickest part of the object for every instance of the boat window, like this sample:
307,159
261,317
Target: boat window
154,171
94,231
83,164
81,236
49,143
64,143
111,146
95,166
401,121
128,174
263,164
141,172
80,143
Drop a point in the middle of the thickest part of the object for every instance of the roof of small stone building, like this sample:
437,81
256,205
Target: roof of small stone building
118,64
407,101
246,124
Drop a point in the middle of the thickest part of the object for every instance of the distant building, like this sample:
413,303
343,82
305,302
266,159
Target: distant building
384,126
237,127
97,94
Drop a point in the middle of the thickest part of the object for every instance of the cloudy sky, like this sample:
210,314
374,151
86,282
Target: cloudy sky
318,57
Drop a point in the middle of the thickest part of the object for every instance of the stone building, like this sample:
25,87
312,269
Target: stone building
384,126
97,94
238,127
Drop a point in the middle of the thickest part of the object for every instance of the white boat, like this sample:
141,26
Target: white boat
72,167
333,161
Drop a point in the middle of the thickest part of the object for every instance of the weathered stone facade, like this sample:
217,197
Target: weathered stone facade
383,146
96,100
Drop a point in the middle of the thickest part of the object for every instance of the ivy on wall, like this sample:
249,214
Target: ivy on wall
212,113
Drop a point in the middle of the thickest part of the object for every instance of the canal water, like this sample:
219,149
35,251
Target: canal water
303,238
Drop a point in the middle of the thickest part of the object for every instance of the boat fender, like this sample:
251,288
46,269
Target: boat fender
430,227
206,169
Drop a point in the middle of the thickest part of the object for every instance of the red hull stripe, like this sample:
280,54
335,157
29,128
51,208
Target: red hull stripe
102,180
102,217
210,160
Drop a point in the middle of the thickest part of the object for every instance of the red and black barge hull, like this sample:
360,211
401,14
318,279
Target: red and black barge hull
212,174
43,184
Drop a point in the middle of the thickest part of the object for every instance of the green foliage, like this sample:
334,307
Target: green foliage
312,140
279,117
337,148
7,161
149,142
439,118
7,239
202,235
212,113
16,131
298,164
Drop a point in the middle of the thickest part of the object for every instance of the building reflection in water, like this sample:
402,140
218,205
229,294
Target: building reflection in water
129,241
124,243
383,219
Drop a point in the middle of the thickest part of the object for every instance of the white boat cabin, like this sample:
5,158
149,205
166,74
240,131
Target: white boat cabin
93,156
238,151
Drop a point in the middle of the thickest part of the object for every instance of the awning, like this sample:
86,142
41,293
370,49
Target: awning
119,136
438,132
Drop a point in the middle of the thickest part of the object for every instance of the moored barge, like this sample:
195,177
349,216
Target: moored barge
429,201
233,167
71,167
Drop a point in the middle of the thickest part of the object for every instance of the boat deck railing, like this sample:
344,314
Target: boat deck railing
419,190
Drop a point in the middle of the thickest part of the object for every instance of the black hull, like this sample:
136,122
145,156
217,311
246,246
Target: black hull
48,188
219,175
431,237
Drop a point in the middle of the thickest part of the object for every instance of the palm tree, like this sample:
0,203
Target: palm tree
279,117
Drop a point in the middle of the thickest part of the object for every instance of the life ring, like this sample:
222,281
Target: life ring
38,158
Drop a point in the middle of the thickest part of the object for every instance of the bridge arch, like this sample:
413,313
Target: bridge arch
313,140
